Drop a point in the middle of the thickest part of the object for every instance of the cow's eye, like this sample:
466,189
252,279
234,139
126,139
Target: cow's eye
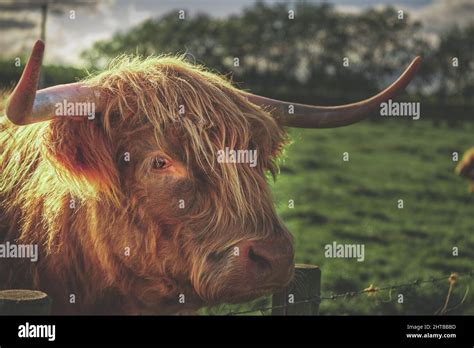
160,163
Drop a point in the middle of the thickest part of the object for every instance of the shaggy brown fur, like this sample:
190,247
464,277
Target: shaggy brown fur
67,186
465,168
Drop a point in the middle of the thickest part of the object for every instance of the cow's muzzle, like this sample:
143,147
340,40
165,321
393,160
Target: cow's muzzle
265,264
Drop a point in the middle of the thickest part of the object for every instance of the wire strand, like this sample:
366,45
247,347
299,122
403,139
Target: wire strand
371,290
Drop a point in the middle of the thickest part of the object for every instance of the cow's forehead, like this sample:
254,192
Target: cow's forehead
191,111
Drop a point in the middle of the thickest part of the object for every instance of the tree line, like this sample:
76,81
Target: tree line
308,53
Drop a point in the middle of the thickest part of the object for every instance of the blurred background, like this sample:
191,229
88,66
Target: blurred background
302,60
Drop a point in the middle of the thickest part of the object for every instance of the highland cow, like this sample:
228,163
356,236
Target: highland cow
130,208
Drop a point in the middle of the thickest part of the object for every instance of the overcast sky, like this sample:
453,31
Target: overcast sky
67,38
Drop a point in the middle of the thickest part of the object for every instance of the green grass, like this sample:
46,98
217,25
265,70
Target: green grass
356,202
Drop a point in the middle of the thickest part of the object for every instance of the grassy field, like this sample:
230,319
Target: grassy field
356,201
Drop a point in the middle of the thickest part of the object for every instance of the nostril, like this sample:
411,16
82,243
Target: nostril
261,261
214,256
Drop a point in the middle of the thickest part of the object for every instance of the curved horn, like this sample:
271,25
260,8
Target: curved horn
26,105
308,116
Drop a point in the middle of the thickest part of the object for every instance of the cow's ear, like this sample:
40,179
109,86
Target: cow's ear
81,151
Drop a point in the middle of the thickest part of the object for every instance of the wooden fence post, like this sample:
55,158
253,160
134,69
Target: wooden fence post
24,302
306,284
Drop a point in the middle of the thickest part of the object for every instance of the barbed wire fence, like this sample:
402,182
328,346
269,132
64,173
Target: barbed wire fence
372,290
